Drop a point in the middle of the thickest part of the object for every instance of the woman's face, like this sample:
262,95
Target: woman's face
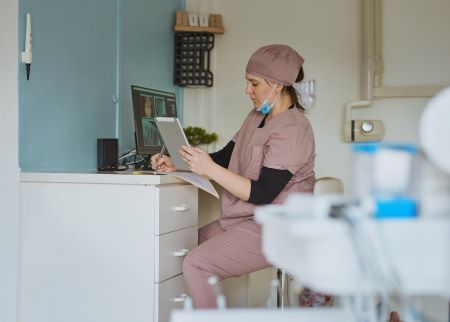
258,89
147,107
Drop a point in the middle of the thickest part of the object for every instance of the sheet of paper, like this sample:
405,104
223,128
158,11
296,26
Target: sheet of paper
197,180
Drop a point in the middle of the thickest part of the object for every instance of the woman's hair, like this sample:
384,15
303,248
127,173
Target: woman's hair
292,92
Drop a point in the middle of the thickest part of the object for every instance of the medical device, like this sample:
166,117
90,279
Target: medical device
27,55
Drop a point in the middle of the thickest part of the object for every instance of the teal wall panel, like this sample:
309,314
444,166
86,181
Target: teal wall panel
146,55
85,52
67,103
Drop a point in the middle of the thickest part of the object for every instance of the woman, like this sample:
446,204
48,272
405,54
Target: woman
271,156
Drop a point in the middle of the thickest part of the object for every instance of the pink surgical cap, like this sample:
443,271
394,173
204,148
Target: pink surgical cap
279,64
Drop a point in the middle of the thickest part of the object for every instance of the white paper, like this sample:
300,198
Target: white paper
195,179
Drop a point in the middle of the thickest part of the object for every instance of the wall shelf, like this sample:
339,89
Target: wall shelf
214,30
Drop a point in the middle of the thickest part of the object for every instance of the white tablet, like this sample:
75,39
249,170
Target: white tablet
173,136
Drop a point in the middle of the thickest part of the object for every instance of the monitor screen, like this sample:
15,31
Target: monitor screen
148,104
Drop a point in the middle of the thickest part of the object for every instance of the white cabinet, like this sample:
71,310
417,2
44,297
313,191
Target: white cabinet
103,247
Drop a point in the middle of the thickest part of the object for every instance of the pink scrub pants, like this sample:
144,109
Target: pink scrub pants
222,253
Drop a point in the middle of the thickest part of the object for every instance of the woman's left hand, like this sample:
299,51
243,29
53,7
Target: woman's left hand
198,160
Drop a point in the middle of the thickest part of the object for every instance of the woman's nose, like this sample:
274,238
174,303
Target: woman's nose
248,89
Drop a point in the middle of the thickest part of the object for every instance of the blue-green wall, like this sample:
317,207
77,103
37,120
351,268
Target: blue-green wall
84,53
146,54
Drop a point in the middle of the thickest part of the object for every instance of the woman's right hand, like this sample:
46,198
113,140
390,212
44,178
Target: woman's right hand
162,164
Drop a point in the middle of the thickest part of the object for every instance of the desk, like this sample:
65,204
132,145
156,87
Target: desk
103,247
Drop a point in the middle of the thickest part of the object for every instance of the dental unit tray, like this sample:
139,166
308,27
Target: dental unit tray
409,256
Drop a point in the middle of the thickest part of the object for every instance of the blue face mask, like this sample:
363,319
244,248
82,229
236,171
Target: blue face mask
265,107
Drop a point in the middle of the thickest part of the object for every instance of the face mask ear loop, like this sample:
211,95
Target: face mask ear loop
265,106
276,98
273,88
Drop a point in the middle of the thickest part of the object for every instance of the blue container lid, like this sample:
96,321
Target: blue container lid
374,147
396,208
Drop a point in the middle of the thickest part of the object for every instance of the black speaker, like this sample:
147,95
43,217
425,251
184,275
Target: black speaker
107,154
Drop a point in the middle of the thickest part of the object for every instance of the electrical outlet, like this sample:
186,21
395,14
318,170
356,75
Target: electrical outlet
364,131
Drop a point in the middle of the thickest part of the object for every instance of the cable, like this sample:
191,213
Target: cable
127,154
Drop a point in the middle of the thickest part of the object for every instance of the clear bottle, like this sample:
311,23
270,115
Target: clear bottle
387,173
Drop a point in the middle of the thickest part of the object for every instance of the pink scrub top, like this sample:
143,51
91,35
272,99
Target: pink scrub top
286,142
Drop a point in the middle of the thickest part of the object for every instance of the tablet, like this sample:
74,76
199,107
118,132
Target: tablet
173,136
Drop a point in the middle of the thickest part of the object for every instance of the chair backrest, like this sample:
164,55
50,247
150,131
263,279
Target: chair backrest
325,185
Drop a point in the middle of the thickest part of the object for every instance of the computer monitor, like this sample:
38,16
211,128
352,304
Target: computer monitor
148,104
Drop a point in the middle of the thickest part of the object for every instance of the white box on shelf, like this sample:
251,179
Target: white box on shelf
203,20
193,19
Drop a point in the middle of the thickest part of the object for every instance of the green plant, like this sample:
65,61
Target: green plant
197,135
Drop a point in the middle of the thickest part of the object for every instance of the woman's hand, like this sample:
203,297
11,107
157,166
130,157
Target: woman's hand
198,160
163,163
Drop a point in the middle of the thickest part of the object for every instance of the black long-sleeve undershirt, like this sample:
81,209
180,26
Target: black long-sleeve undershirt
269,184
223,156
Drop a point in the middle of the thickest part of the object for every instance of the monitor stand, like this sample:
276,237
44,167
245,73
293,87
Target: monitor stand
147,163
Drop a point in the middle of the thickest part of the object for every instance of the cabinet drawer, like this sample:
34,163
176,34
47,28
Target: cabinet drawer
169,295
170,250
177,206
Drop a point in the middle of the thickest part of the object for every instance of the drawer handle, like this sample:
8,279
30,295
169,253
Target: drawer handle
180,298
181,208
181,253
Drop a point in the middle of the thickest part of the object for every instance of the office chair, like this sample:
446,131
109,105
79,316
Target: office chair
323,185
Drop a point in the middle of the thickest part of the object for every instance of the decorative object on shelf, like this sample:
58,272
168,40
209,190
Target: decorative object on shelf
203,20
198,136
193,19
192,59
193,22
182,18
215,21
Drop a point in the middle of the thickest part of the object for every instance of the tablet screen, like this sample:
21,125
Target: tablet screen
173,136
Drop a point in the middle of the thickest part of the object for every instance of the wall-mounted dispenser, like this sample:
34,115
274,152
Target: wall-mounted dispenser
362,130
306,93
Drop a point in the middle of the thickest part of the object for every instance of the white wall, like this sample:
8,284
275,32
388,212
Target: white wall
9,172
328,34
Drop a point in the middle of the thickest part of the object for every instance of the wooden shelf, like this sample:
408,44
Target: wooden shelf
213,30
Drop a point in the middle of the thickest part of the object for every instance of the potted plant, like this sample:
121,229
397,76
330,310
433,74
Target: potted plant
198,136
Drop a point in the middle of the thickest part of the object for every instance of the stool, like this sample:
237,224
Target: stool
283,289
